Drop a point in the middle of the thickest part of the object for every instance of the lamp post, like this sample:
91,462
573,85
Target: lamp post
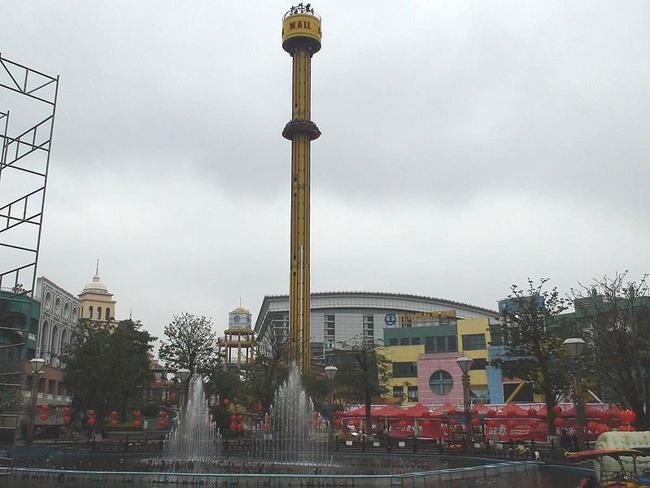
183,374
37,368
331,371
464,363
575,346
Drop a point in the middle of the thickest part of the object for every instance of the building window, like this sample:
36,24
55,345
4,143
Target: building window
90,312
405,321
441,382
108,313
392,341
415,341
479,364
440,344
404,341
368,329
412,393
473,342
330,331
99,313
398,392
405,370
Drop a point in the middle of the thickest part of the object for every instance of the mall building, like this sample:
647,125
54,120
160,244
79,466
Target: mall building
420,335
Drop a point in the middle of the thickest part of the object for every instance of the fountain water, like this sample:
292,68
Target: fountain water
293,432
194,438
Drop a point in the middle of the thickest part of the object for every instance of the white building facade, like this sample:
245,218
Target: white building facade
344,317
58,320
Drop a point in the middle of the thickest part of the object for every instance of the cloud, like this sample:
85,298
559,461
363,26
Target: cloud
465,147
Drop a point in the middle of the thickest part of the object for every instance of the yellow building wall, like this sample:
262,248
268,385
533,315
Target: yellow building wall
474,326
402,354
86,303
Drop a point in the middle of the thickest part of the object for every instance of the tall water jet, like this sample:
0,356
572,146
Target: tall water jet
194,438
293,432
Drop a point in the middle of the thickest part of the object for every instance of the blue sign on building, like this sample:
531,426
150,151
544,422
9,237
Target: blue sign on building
390,319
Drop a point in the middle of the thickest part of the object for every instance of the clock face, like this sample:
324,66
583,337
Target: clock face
236,319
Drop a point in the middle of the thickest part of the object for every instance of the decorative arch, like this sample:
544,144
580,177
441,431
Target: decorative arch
108,313
45,330
64,340
54,340
90,312
99,313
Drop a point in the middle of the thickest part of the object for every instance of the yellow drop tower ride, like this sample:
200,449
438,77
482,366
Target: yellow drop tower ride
301,35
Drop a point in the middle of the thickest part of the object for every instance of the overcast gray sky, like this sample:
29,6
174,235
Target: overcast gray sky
466,146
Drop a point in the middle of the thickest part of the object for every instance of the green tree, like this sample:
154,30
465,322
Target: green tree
190,343
528,330
267,371
613,315
108,366
363,374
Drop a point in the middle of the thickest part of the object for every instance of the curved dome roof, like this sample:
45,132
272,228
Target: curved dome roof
95,286
241,309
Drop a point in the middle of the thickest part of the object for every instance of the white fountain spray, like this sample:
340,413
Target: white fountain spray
194,438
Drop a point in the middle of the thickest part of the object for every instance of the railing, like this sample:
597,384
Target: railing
300,10
139,478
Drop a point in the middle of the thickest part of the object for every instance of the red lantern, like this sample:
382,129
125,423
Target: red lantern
604,415
474,410
592,426
162,423
66,419
557,410
510,424
113,423
66,410
241,427
233,418
113,414
91,421
226,402
491,413
42,417
532,412
558,422
602,428
137,423
233,426
476,421
624,417
137,414
492,424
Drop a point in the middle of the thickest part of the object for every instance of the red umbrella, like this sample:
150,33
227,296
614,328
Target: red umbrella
512,410
417,411
388,411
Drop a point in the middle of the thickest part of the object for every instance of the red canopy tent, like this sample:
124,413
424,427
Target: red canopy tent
512,410
390,411
357,412
480,409
444,410
417,411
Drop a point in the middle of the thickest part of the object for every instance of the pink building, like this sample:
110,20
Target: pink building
439,379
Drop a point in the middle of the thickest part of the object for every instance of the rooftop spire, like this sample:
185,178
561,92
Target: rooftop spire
97,269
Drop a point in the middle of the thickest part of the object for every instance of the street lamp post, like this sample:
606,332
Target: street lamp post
575,346
37,368
183,374
331,371
464,363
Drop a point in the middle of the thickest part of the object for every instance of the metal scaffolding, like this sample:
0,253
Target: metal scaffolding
24,166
